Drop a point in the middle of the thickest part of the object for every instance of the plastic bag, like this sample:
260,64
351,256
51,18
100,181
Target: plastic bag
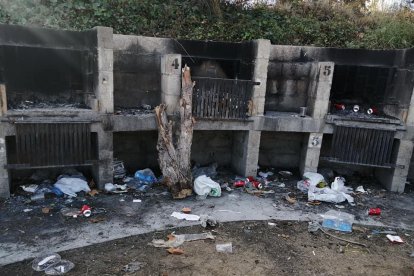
45,260
204,185
72,185
145,175
337,194
337,220
310,180
60,268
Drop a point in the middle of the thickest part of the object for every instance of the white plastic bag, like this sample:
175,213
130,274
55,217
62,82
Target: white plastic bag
310,181
336,194
204,185
72,185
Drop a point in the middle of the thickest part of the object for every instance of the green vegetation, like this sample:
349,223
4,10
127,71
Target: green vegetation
320,23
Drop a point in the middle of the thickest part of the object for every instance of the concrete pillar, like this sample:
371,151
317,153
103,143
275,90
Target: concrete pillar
104,79
171,82
394,179
245,154
310,153
261,55
103,171
320,89
4,174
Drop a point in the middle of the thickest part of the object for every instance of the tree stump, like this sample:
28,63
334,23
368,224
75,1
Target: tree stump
174,145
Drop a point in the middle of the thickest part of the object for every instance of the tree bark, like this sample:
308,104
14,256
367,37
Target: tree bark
174,147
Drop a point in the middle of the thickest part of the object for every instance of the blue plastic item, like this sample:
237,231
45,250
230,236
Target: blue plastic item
339,225
146,176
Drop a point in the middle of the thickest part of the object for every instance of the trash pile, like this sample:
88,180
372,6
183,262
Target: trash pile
317,189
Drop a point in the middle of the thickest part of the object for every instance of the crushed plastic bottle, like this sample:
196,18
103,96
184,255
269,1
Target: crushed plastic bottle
45,260
60,268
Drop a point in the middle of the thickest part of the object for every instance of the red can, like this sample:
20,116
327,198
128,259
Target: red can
239,183
372,110
86,211
257,184
339,106
250,179
374,212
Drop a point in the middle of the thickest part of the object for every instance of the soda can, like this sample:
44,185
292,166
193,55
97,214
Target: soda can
339,106
374,212
239,183
86,211
356,108
372,110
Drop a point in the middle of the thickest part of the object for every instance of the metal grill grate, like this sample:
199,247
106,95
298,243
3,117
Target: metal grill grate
53,144
362,146
221,98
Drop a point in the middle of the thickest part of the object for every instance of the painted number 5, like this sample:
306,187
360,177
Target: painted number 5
327,70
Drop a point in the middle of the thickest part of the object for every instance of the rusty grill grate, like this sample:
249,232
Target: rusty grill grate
216,98
362,146
53,144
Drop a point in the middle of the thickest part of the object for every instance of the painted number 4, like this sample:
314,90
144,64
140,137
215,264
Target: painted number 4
327,70
175,64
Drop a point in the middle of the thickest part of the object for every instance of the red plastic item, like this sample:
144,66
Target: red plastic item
339,106
372,110
374,212
239,183
251,178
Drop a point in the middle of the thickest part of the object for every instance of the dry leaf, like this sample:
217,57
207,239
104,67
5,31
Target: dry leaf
45,210
93,192
96,220
175,251
291,200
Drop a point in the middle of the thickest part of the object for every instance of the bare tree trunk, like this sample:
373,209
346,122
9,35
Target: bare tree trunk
174,152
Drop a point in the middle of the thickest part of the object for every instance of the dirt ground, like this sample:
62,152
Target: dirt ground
258,249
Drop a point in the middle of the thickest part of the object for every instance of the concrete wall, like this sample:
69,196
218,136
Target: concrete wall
212,146
287,86
280,149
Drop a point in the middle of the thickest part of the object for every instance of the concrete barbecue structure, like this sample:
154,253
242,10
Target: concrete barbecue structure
81,99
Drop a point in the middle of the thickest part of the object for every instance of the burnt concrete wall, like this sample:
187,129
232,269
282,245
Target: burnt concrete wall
212,146
280,149
137,150
44,64
287,85
137,61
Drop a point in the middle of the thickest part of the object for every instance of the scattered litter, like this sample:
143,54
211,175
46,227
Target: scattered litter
239,183
336,194
146,176
339,206
337,220
45,260
285,173
314,226
360,189
281,185
204,185
206,220
72,185
230,211
265,174
96,220
59,268
137,200
209,171
186,210
175,251
225,186
133,267
374,212
116,189
377,232
45,210
30,188
27,210
185,216
313,252
394,239
271,224
290,199
122,200
86,211
224,247
37,196
177,240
